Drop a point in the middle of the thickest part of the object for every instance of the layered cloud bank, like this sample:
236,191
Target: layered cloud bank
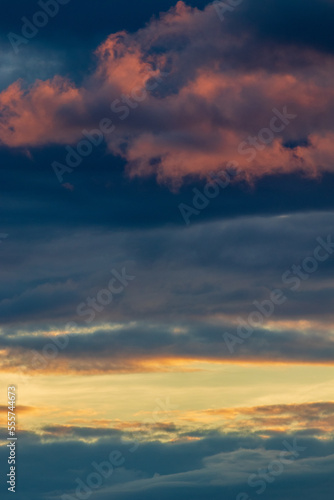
187,95
197,343
187,297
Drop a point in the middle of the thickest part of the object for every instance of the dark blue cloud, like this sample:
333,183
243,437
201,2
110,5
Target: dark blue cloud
104,196
218,466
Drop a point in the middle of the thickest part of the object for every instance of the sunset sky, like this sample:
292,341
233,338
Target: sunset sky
167,247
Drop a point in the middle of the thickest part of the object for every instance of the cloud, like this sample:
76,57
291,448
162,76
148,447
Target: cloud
155,348
206,104
19,409
306,418
303,419
217,465
211,273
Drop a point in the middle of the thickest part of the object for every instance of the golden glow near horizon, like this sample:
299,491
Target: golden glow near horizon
101,400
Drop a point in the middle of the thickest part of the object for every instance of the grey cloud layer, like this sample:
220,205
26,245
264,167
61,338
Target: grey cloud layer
190,287
220,268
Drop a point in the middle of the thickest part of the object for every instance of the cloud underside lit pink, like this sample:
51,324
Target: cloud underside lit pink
201,108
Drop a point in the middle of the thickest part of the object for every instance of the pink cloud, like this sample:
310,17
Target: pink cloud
197,117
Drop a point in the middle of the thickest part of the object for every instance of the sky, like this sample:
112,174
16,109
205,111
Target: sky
167,248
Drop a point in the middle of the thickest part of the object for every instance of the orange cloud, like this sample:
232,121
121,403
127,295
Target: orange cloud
313,417
24,362
19,409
